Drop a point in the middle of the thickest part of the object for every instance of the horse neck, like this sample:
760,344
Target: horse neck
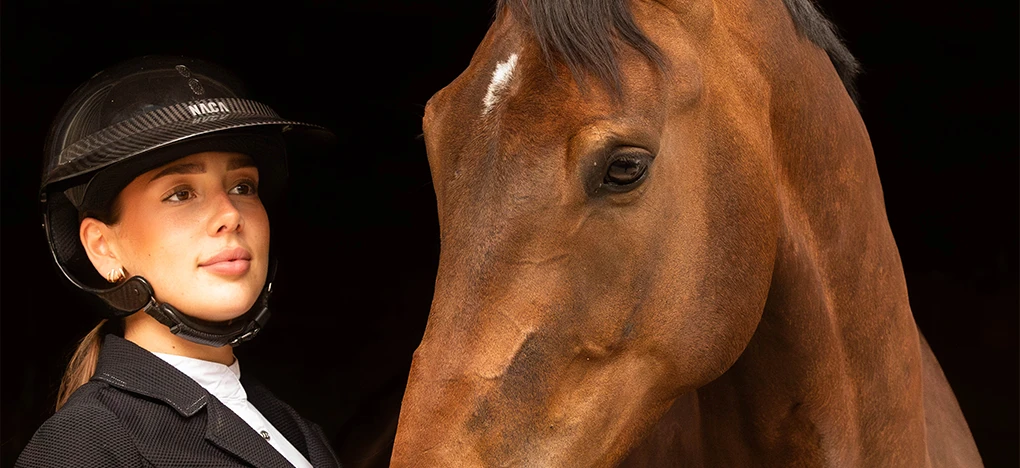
833,372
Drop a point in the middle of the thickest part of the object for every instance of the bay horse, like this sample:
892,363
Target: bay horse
664,243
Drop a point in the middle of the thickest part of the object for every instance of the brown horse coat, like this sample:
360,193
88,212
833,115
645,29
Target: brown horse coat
664,243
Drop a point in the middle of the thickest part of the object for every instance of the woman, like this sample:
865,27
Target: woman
154,189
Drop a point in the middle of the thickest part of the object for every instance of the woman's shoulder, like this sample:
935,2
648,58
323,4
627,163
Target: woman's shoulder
88,403
84,432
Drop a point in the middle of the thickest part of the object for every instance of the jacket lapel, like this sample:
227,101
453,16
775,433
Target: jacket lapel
302,435
229,432
320,454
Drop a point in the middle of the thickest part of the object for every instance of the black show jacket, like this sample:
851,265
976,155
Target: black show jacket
138,410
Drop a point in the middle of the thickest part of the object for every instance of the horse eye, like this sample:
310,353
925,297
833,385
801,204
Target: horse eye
626,170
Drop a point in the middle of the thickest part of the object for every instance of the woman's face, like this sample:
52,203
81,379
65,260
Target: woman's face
197,230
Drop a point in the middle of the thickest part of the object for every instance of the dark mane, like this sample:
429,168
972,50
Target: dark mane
810,22
583,35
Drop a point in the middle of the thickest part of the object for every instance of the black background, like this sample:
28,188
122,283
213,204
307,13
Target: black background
359,241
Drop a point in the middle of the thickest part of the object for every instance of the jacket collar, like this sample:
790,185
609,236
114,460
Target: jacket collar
128,367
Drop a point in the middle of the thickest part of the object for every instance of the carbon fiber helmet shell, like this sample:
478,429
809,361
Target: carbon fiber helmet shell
139,115
144,104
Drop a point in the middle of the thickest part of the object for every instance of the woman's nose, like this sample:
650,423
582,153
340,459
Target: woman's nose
226,218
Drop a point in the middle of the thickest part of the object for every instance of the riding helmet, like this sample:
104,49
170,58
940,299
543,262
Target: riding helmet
134,117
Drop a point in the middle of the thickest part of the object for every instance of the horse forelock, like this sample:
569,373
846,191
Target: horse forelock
584,35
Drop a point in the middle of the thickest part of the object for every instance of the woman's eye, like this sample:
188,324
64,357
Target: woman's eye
244,188
180,195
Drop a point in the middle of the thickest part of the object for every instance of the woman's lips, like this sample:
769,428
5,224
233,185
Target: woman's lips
235,261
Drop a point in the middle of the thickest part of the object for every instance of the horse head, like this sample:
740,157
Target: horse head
623,189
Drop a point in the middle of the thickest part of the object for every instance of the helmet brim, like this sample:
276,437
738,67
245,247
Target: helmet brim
103,154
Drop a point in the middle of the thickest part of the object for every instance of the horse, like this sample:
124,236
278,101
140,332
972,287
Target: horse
664,243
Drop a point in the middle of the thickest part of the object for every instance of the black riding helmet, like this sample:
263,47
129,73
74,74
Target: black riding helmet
134,117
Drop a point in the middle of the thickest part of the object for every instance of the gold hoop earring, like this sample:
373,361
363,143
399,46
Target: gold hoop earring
116,275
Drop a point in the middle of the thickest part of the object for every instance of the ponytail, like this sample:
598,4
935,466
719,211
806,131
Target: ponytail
83,363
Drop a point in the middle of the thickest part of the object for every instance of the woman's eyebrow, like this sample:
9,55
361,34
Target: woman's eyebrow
240,162
186,168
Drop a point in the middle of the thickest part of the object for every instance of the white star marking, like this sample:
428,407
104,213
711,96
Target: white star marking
500,80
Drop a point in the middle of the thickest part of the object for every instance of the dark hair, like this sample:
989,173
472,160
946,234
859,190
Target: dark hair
810,22
583,35
108,213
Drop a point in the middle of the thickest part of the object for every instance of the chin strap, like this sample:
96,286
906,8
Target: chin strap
233,332
137,294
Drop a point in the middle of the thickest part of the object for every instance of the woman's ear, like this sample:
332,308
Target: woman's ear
98,240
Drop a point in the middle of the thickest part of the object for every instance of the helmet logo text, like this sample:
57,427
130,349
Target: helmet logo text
204,108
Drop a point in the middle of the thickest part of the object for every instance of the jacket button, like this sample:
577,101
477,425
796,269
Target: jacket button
265,435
